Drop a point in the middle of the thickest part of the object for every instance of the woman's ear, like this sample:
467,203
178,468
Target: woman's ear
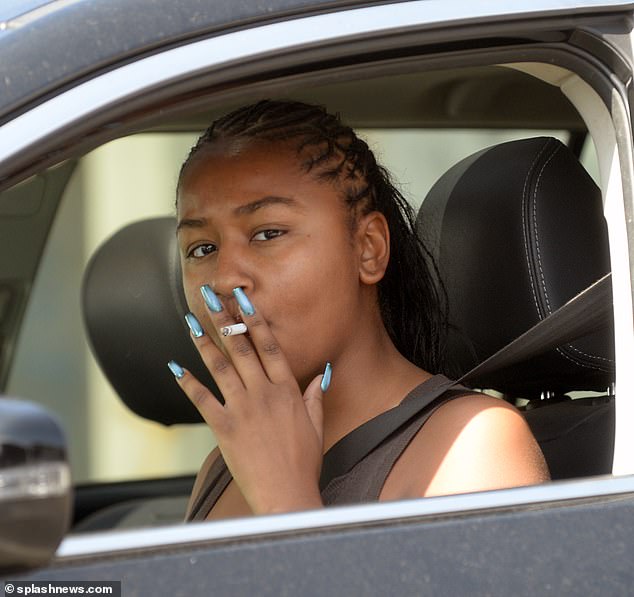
373,238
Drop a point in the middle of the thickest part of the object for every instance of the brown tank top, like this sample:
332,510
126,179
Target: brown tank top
364,481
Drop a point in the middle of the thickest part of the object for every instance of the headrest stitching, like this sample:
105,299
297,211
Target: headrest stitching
590,356
524,229
579,363
535,227
535,195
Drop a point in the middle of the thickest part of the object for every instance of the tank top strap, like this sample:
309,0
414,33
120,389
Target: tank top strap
364,482
215,482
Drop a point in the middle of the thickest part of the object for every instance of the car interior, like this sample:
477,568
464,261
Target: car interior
516,229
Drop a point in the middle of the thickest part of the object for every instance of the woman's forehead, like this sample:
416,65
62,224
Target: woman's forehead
274,164
249,156
220,180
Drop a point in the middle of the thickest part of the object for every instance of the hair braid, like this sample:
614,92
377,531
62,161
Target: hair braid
412,300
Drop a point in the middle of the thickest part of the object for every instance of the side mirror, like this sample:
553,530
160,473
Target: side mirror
35,486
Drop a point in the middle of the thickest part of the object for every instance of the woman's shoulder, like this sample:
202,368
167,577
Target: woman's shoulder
472,442
469,404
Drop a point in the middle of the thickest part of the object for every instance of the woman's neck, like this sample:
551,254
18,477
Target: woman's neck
371,377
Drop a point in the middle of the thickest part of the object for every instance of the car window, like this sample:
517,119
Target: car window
131,179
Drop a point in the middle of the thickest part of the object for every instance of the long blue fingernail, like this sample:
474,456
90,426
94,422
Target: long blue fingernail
176,369
212,301
325,380
194,325
245,304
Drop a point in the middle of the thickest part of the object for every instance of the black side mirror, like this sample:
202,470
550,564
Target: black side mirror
35,486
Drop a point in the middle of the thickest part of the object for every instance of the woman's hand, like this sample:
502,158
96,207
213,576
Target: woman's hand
271,437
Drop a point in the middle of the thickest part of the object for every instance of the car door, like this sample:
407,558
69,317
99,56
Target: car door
562,537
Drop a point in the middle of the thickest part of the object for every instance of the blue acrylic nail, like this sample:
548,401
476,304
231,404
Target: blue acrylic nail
245,304
212,301
325,380
194,325
176,369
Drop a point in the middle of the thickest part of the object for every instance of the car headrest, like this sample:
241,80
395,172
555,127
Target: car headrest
134,307
517,230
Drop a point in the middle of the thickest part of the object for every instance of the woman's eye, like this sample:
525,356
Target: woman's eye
201,251
268,234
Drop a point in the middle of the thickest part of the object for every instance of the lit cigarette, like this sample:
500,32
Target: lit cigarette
234,330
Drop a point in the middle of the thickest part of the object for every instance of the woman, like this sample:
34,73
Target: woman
288,226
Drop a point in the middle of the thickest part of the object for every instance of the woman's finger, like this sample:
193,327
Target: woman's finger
204,400
313,400
273,360
237,343
219,365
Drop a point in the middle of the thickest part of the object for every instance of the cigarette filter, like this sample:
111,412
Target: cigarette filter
234,330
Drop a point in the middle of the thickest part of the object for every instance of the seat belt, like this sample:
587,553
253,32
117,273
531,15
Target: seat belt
587,312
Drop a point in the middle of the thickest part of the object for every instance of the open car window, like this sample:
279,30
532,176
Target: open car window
124,181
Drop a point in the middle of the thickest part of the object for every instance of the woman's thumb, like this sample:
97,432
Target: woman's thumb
313,397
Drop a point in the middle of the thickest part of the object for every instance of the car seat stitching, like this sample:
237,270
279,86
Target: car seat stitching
579,363
524,229
598,366
537,247
590,356
541,270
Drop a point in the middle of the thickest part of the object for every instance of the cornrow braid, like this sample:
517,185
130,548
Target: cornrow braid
412,300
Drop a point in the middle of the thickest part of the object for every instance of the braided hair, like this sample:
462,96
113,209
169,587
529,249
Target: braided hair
412,300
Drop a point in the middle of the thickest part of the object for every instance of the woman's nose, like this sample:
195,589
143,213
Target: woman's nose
231,271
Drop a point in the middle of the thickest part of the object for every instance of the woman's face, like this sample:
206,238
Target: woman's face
250,217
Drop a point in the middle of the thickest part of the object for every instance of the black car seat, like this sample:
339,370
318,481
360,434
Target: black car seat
516,231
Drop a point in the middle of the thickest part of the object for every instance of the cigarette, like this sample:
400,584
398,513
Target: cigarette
234,330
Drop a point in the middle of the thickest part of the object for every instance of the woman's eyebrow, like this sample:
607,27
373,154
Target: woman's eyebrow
249,208
242,210
191,223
